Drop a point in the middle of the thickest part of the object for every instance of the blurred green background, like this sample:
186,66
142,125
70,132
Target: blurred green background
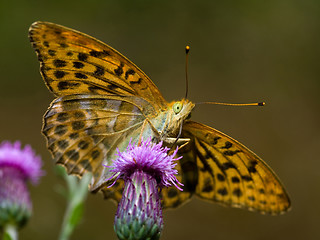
241,51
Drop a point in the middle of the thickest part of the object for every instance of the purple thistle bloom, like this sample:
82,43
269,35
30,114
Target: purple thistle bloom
146,169
16,167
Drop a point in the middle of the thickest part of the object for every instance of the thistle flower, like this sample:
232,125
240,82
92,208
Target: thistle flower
17,166
146,169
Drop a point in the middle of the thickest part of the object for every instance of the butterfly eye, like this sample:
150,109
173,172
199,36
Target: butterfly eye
177,107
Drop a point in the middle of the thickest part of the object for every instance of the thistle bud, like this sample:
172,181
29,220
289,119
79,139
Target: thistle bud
17,166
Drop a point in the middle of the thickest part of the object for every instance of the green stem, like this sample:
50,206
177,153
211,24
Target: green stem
10,232
77,195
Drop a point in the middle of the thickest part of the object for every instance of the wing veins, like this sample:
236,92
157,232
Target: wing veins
118,132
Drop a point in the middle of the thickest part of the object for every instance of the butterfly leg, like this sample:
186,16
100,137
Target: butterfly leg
181,142
185,143
156,136
141,133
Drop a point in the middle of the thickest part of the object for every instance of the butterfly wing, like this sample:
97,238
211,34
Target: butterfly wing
229,173
103,100
84,131
73,62
171,197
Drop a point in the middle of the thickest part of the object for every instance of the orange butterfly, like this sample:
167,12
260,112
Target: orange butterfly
104,100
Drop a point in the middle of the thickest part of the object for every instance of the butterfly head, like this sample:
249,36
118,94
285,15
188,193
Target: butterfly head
180,110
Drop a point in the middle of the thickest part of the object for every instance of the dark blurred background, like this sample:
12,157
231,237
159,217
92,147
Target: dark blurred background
241,51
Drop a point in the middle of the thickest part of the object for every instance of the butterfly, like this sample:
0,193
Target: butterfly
103,100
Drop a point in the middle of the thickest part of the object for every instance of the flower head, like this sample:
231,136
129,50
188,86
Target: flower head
16,167
148,157
24,160
145,168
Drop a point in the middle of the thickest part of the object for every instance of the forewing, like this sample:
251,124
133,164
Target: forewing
231,174
73,63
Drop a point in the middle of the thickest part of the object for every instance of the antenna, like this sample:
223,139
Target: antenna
187,89
187,85
234,104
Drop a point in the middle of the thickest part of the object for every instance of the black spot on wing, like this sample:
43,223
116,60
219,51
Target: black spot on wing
83,57
207,186
223,191
83,145
252,167
203,159
99,54
51,52
215,140
99,71
227,145
63,144
235,179
223,167
246,178
220,177
62,117
78,65
73,155
60,130
59,63
251,198
45,43
136,82
59,74
77,125
230,152
119,70
95,154
74,135
85,163
129,72
78,114
227,165
63,45
80,75
112,87
237,192
58,32
63,85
